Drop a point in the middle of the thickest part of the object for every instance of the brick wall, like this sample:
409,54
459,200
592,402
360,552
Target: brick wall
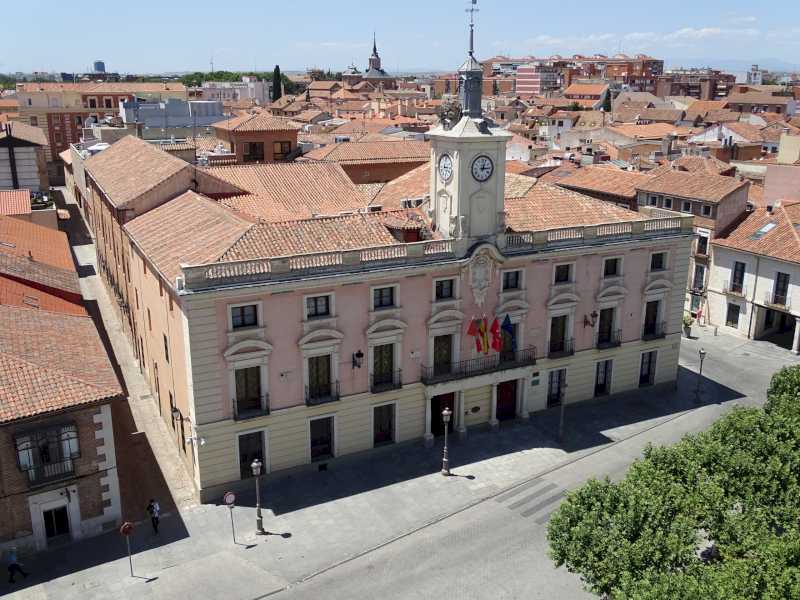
379,173
15,516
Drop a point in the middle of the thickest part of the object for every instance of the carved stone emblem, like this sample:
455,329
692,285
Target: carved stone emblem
481,271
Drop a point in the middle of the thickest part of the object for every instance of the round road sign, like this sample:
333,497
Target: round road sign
126,528
229,498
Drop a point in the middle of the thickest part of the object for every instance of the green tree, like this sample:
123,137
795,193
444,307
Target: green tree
736,485
607,102
276,83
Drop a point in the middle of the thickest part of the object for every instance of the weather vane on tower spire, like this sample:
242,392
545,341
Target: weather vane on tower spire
472,10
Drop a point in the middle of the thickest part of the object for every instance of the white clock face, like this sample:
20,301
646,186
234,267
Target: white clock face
445,167
482,168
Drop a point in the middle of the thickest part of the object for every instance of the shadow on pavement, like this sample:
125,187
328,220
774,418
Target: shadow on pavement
587,425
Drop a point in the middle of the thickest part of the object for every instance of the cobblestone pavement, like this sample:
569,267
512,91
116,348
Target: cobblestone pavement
387,523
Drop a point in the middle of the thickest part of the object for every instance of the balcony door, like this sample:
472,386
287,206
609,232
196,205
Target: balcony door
319,376
248,390
651,317
737,282
605,326
781,288
383,365
507,400
647,369
321,438
442,354
509,340
558,333
251,447
602,378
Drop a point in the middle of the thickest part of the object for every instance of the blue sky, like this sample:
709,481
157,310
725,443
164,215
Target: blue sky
173,35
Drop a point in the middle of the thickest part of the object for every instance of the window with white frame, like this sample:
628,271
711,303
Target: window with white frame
658,261
318,306
562,274
706,210
245,315
445,289
47,454
383,297
687,206
512,280
612,267
667,202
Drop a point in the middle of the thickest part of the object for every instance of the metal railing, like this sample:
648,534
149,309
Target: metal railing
52,471
780,300
250,408
654,331
734,289
382,382
562,347
610,339
478,366
322,394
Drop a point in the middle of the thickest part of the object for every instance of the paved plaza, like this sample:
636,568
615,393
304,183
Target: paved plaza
387,523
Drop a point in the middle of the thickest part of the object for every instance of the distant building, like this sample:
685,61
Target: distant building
536,79
755,76
375,75
172,113
22,158
703,84
99,66
249,88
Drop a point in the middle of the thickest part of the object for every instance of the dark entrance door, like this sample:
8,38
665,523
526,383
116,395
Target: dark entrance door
507,400
322,438
56,523
251,447
438,404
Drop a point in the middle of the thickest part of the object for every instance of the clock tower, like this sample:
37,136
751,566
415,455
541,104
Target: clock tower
468,163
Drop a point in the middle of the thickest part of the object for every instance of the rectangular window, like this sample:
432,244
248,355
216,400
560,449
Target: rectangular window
321,438
92,103
149,321
383,297
556,382
605,329
602,378
652,201
651,325
706,210
647,369
687,206
732,316
442,354
383,420
658,261
248,390
244,316
702,245
79,121
737,284
559,343
445,289
107,102
251,447
509,343
667,202
166,347
47,454
280,150
318,306
319,377
699,281
781,289
611,267
35,121
511,280
383,367
563,274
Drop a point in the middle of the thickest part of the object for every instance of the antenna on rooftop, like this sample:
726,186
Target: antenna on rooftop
212,63
472,10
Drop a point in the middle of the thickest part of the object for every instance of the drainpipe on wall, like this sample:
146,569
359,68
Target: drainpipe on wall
752,302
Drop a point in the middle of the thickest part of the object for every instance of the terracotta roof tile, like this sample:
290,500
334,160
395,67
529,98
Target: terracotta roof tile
15,202
259,122
23,131
756,98
50,362
190,228
131,167
549,207
780,242
695,164
586,89
281,191
66,156
24,239
605,180
698,185
18,293
650,131
372,152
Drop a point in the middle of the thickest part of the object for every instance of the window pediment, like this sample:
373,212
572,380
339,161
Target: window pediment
247,349
612,292
563,300
658,285
515,306
386,327
446,317
321,337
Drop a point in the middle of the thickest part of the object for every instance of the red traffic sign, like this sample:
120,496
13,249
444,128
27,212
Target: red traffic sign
229,498
126,529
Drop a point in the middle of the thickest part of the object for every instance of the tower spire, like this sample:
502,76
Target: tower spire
472,10
471,73
374,43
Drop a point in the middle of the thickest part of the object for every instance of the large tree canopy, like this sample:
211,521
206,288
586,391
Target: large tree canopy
734,488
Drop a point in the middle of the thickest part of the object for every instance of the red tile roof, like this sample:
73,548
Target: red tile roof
25,132
50,362
372,152
27,240
15,202
258,122
586,89
698,185
18,293
605,180
781,242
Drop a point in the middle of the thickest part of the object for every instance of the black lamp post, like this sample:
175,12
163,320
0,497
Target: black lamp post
256,466
446,414
702,352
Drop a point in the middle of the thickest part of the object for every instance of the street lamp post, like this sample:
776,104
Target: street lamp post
256,466
446,414
702,354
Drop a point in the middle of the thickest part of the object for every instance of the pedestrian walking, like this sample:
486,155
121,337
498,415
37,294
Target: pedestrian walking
154,510
13,566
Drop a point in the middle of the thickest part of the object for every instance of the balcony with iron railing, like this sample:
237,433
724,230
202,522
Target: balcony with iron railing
385,381
500,361
697,287
561,348
735,288
779,300
40,474
252,408
654,331
322,393
609,339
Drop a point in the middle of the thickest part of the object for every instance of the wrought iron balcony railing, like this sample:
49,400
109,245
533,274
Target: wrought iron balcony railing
382,382
250,408
734,288
322,394
561,348
654,331
478,366
609,339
